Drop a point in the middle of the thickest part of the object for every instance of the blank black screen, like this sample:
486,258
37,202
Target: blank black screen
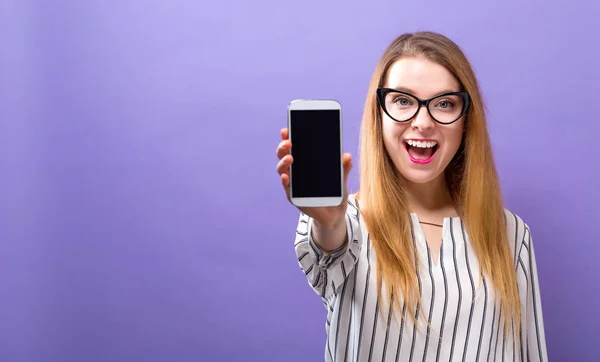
315,136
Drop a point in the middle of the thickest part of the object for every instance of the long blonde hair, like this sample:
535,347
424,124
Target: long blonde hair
471,177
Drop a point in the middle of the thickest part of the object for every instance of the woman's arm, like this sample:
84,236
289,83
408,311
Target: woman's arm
534,320
326,269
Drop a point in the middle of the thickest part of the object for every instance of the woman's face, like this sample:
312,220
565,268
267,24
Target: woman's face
421,148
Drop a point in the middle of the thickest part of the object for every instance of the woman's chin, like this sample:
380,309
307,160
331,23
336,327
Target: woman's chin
420,177
417,175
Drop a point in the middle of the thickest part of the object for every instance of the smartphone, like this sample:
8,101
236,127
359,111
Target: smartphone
317,171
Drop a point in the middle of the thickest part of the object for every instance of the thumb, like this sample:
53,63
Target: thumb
347,162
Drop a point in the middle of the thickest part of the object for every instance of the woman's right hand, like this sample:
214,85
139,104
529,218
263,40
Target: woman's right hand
327,218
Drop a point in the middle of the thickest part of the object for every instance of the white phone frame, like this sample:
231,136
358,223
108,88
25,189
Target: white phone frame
317,104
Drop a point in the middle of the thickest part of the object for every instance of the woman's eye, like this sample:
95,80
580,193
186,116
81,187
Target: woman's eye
445,104
402,101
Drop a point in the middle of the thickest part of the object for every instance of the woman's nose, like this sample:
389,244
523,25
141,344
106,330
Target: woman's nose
423,120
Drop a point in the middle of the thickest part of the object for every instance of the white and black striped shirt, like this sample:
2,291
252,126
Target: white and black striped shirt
465,316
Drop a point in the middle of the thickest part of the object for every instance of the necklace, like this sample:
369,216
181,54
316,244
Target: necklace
428,223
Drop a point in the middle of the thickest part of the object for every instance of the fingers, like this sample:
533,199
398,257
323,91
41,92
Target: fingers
285,160
285,145
285,180
283,148
283,166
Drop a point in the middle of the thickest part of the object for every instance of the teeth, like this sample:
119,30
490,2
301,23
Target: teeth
422,144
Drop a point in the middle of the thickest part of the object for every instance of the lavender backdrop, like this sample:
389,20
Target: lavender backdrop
141,218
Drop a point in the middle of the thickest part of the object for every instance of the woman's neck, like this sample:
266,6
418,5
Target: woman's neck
430,198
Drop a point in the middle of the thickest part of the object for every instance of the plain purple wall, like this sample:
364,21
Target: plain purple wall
141,217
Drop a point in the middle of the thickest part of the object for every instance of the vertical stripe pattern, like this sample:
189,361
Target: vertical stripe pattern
465,316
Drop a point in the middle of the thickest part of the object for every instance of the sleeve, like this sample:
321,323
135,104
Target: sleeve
327,271
534,320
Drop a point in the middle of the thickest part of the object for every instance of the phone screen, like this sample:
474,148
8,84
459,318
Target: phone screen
316,149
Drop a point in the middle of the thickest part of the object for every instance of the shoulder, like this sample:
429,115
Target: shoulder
517,229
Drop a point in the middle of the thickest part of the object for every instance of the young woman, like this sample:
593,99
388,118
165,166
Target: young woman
424,263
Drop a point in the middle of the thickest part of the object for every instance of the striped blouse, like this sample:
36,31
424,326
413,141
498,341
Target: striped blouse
466,321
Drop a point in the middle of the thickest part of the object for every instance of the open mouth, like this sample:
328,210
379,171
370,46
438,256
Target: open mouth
421,152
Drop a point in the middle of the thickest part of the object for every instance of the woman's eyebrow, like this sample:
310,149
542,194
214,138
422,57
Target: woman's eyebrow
408,90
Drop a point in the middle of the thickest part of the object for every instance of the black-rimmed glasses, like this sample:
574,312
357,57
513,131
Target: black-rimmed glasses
401,106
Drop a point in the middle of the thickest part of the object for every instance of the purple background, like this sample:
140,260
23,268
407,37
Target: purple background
141,217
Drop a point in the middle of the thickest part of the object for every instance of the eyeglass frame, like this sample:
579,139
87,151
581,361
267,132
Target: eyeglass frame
383,92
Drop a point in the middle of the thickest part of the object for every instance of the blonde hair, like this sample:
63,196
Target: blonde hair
471,176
